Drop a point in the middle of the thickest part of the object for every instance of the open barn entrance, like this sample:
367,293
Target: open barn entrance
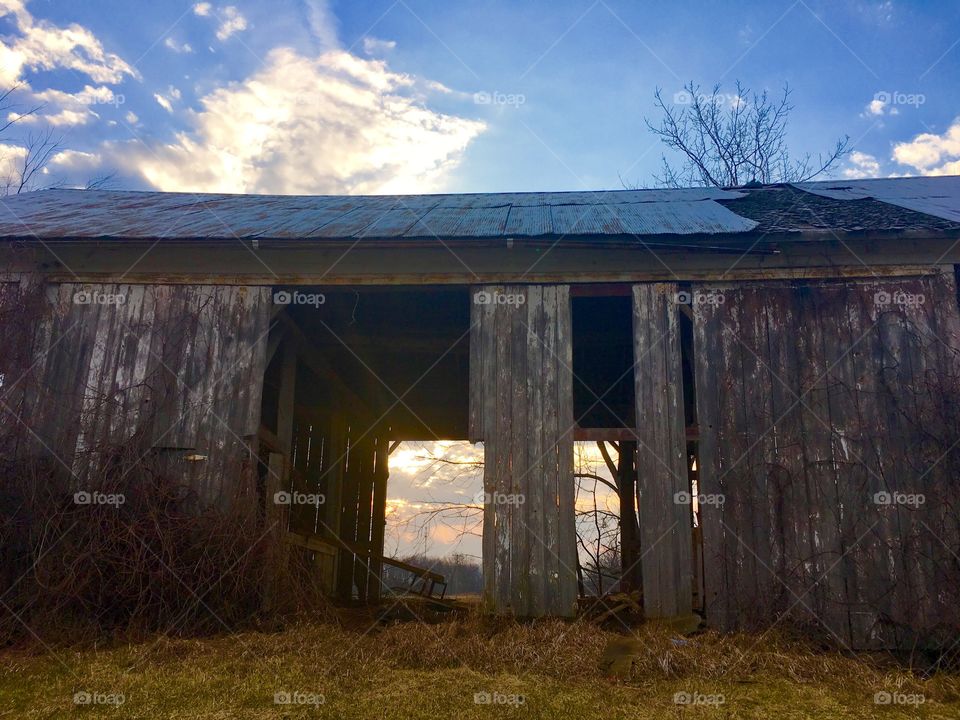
528,370
353,373
635,467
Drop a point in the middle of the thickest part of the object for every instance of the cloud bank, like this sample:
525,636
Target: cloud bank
932,154
334,124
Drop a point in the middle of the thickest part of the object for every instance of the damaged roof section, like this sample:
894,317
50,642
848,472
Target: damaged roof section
937,196
781,209
919,205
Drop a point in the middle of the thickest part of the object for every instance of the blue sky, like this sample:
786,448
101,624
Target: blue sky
298,96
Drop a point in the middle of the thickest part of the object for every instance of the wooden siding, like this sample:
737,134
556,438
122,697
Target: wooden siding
345,469
663,485
171,370
812,398
522,408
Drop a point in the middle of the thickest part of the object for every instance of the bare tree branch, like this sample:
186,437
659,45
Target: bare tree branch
728,140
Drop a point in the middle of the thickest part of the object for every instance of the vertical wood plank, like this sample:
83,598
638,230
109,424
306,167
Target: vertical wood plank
530,547
665,523
566,530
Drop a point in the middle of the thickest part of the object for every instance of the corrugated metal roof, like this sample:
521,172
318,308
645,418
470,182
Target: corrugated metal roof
52,214
109,214
937,196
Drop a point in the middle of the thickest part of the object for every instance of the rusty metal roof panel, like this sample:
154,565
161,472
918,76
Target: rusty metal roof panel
680,218
482,222
529,220
107,214
352,224
438,222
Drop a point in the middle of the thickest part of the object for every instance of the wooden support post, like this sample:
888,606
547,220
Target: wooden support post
285,411
664,492
365,480
381,473
630,551
348,518
278,470
522,396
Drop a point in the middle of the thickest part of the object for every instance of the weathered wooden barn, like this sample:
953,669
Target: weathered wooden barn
787,359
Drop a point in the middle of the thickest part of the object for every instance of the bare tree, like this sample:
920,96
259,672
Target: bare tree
728,140
8,108
34,152
38,148
101,182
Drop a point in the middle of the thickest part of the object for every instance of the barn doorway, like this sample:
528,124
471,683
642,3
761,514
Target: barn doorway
354,374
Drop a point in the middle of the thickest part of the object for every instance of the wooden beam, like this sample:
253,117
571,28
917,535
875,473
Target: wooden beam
317,544
602,290
269,440
273,341
619,434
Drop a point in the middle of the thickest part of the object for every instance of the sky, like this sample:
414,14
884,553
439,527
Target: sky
435,497
327,96
407,96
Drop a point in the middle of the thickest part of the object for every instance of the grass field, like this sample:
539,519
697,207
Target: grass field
448,670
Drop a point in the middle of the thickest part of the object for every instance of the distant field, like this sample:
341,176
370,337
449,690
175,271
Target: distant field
461,669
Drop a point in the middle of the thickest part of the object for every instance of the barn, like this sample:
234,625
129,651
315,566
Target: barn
786,359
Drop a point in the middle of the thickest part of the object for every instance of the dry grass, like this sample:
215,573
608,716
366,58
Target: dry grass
414,670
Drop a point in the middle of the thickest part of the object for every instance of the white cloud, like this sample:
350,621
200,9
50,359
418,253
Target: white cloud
862,165
323,24
331,124
376,46
166,101
177,47
875,107
882,104
131,118
74,108
163,102
75,160
230,20
932,154
41,45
